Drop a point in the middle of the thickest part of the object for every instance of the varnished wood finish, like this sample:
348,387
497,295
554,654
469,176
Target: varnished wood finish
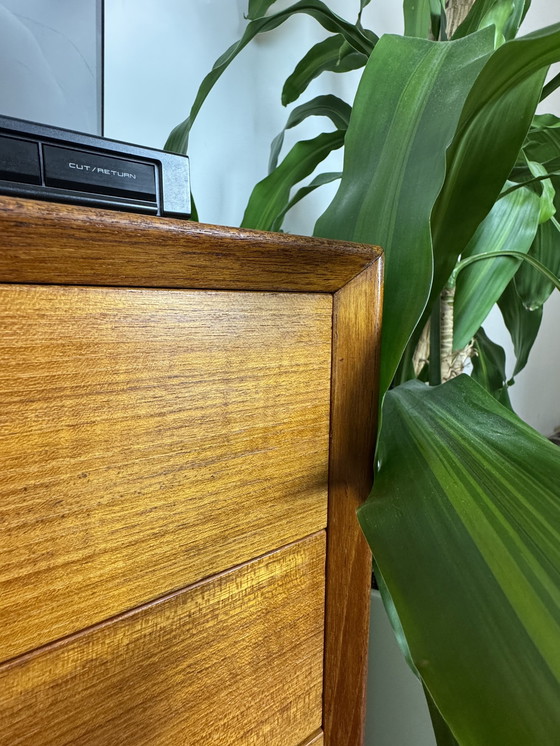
356,334
234,661
117,419
149,439
49,243
315,740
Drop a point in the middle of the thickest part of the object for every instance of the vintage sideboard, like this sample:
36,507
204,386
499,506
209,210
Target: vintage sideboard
187,425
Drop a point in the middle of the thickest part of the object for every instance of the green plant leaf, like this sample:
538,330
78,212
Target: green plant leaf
194,210
444,736
178,139
489,11
333,54
493,125
317,182
511,224
523,325
547,191
498,16
270,197
546,122
550,87
464,522
417,18
394,167
533,288
437,9
257,8
489,367
543,139
393,619
332,107
521,176
474,17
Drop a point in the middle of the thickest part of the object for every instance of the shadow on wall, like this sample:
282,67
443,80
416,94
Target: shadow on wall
397,713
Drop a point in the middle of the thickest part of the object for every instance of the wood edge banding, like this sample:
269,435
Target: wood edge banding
50,243
316,739
356,342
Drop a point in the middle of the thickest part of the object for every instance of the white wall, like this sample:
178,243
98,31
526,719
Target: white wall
156,56
397,714
150,84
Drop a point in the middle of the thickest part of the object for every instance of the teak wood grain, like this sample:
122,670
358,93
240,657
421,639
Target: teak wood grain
356,334
65,244
234,661
278,448
315,740
149,439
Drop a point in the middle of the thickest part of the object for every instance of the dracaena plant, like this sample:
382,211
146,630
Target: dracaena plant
449,169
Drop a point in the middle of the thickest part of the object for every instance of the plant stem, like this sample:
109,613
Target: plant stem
515,255
452,362
405,370
447,301
456,12
435,345
421,355
550,87
529,181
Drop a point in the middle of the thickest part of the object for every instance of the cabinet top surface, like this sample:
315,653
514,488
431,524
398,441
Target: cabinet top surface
44,242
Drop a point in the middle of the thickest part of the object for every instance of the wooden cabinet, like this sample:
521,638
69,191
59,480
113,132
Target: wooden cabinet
187,424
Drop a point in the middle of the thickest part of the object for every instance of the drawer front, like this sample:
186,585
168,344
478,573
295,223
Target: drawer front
233,661
149,439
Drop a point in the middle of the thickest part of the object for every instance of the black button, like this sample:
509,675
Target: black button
91,172
19,161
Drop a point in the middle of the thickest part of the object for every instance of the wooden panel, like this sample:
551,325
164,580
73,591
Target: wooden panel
149,439
235,661
315,740
356,335
44,242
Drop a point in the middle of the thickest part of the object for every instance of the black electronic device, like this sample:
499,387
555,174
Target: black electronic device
45,162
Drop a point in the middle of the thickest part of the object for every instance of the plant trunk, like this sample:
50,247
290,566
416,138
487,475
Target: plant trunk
456,12
436,344
422,352
452,361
